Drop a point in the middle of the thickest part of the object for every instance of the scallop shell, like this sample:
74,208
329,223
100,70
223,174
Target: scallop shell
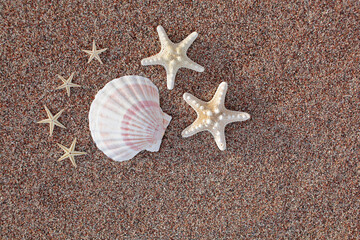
125,118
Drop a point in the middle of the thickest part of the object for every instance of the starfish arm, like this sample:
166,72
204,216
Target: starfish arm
153,60
66,155
51,128
72,147
164,39
171,71
72,159
61,78
77,153
62,86
68,91
70,78
57,123
219,136
97,57
73,85
186,43
235,116
91,57
188,63
58,114
193,101
101,50
45,121
219,97
65,149
194,128
48,112
87,51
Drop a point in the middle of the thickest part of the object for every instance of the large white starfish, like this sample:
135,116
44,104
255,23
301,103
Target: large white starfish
212,116
172,56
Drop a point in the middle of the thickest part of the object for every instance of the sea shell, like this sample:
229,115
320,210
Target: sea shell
125,118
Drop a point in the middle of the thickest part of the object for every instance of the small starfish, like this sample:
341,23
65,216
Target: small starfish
212,116
67,83
172,56
70,153
94,53
52,120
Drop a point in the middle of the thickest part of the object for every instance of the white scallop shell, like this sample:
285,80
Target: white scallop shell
125,118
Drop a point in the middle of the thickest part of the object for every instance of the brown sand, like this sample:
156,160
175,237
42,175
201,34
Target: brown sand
292,171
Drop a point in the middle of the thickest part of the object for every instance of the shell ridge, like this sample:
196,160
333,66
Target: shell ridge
109,112
135,88
132,101
154,98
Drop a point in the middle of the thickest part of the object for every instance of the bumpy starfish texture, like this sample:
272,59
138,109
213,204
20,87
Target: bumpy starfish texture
70,153
94,53
173,56
212,116
52,120
67,84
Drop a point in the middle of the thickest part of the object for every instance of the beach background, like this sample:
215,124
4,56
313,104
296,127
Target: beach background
290,172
